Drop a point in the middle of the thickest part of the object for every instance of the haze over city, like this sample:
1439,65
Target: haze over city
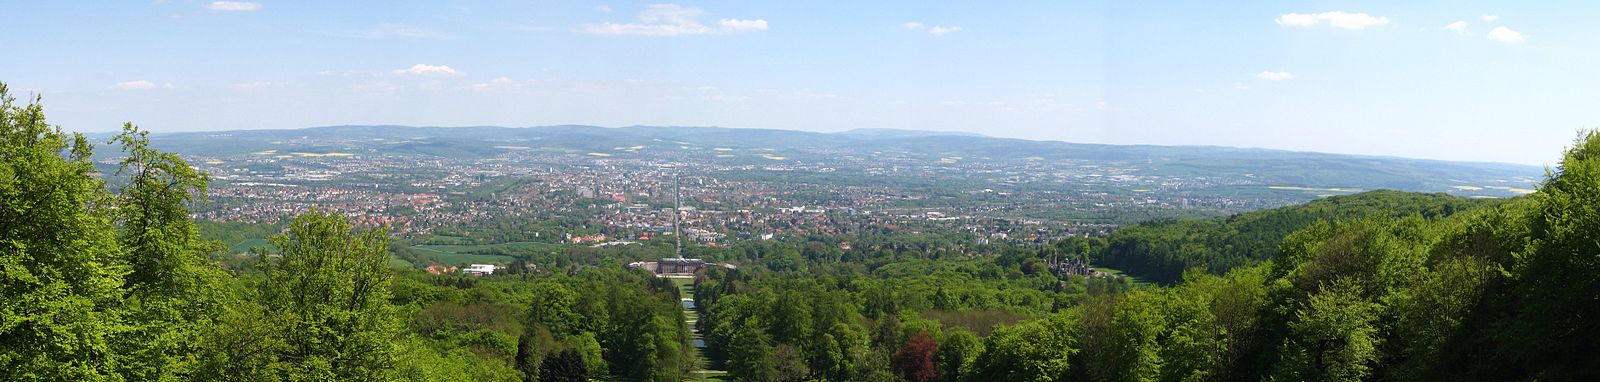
1473,81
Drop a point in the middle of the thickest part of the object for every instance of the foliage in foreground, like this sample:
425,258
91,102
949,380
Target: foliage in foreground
102,285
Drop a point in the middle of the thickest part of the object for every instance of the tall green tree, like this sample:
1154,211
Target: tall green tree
61,267
1137,329
173,291
1040,350
163,243
329,286
956,353
1559,290
1332,338
563,366
751,355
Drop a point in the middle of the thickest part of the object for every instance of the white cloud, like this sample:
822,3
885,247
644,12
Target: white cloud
603,8
743,25
1506,35
1336,19
501,82
136,85
1274,76
936,30
425,69
1297,20
1460,27
233,6
942,30
1490,18
254,85
674,20
1240,86
493,83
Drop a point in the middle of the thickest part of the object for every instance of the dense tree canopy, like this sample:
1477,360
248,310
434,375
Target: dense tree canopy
1164,250
61,267
101,282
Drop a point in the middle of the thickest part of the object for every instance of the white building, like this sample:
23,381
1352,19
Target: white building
479,269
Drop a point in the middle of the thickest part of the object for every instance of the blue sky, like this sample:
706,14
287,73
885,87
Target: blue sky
1459,80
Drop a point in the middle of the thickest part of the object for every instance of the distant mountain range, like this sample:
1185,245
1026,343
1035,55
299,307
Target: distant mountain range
888,133
1291,169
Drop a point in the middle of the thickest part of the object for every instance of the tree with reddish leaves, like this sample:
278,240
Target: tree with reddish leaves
914,360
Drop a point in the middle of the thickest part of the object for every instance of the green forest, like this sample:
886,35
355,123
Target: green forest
102,282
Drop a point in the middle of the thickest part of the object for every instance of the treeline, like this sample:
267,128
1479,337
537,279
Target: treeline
595,323
1163,250
1382,286
542,227
116,285
845,322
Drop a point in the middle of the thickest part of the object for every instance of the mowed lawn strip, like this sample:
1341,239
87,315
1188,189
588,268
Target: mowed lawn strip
463,254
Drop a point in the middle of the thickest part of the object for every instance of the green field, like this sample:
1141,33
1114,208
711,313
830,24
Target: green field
1136,281
247,245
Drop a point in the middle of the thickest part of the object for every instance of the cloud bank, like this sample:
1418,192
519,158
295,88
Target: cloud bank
674,20
1336,19
233,6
